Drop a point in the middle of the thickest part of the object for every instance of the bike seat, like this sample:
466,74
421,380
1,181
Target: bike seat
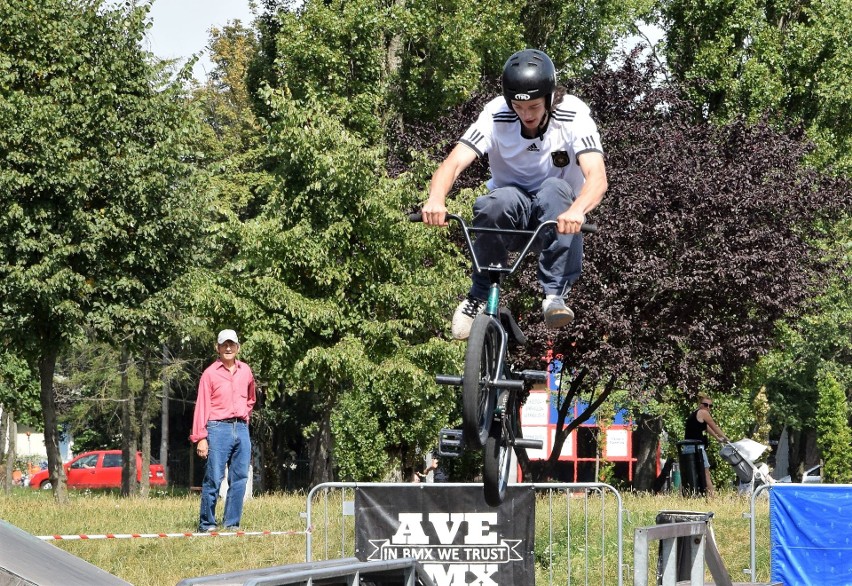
511,327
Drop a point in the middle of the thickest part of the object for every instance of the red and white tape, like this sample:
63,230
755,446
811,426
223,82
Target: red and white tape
163,535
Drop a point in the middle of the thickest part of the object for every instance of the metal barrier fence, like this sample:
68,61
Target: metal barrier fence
667,536
578,527
752,531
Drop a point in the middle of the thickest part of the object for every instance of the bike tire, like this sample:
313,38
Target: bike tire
479,397
496,462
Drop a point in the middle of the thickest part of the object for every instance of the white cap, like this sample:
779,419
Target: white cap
226,335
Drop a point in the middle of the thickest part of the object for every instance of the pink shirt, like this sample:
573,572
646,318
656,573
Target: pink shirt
222,395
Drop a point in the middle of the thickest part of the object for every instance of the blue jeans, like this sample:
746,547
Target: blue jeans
228,444
561,258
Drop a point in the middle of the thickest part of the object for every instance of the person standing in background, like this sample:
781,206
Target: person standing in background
698,424
226,397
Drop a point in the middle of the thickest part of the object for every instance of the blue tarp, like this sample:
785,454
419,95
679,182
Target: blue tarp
811,534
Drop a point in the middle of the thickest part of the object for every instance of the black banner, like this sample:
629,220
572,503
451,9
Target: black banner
454,534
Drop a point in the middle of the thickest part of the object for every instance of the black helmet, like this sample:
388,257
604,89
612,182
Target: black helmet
527,75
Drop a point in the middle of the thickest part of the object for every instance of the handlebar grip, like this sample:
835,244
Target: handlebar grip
415,217
589,228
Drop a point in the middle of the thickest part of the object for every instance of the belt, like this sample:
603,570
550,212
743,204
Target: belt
231,420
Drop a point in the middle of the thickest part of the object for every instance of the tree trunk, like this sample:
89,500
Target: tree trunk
46,370
128,431
164,416
795,454
145,400
3,427
320,450
810,449
646,438
11,428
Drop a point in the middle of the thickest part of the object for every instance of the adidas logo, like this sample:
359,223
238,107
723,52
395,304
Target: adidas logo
533,148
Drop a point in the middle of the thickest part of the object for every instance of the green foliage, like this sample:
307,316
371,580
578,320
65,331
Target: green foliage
789,59
334,52
324,286
89,394
336,92
444,48
19,389
99,208
371,60
580,36
96,215
817,339
760,411
833,433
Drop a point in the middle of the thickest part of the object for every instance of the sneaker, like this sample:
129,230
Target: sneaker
464,315
212,529
556,313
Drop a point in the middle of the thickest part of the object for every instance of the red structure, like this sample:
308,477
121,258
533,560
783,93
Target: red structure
581,449
587,446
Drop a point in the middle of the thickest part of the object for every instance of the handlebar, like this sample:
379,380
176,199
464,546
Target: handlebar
416,217
531,234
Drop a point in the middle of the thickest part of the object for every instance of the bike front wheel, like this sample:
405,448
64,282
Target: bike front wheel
480,369
497,460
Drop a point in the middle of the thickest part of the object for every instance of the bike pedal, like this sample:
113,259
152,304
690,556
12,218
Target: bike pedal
529,444
450,443
449,379
535,376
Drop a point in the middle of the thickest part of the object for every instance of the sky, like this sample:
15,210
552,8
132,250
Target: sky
180,27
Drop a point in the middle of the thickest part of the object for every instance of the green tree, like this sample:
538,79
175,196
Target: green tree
19,389
580,36
833,432
331,311
18,404
789,59
99,212
820,337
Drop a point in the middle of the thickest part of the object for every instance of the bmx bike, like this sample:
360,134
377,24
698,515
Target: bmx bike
492,391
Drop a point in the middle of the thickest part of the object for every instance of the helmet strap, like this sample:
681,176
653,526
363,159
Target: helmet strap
542,128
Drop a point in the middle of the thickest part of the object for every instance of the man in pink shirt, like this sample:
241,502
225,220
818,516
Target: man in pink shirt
226,396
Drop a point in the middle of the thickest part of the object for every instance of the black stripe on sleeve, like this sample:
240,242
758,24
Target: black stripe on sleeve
464,140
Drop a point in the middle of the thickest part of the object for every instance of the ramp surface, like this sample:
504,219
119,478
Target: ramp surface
26,560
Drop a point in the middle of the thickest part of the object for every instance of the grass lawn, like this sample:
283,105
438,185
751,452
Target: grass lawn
158,562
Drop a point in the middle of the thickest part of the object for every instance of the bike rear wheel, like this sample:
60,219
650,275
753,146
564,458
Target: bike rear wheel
497,460
480,369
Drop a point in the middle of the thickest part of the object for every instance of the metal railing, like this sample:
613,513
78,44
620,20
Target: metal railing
404,571
668,536
752,531
685,549
579,529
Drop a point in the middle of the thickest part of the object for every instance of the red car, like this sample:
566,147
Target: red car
99,469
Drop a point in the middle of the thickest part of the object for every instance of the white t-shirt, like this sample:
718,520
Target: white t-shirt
527,162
